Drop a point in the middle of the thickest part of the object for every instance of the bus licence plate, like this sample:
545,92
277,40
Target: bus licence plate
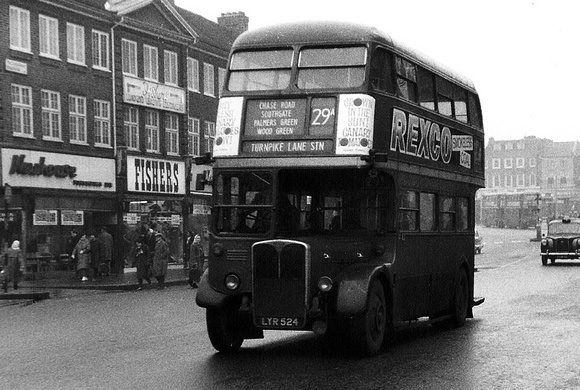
279,322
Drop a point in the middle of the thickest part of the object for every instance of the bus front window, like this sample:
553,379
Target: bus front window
260,70
243,203
338,67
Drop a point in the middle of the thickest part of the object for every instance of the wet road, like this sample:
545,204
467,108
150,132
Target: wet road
525,335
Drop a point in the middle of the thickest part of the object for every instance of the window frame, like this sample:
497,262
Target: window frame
51,117
75,44
24,109
172,134
48,46
152,133
129,57
208,79
194,136
209,133
171,68
20,29
77,106
102,123
131,127
193,75
100,54
150,63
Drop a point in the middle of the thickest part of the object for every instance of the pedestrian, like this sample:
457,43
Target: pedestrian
82,253
195,261
160,260
96,255
205,246
142,262
12,266
186,252
107,245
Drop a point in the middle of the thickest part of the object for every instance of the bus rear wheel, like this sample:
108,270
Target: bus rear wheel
369,328
460,303
223,329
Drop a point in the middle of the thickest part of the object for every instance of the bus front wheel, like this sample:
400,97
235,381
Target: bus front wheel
369,328
223,329
460,303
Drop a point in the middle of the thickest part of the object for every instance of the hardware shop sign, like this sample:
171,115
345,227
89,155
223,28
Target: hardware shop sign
29,168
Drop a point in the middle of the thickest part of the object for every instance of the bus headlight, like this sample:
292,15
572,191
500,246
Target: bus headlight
325,284
232,282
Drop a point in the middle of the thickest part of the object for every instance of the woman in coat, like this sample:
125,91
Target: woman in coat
160,260
195,261
12,265
142,262
82,253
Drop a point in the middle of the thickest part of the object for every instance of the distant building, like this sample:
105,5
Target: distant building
527,179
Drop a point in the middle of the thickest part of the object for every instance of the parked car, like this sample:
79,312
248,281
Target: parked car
562,240
478,242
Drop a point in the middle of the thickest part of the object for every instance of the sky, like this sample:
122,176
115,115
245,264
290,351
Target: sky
522,55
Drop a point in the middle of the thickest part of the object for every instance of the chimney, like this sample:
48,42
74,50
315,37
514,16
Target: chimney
235,21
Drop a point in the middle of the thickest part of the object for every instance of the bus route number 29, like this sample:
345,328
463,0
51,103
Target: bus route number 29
321,116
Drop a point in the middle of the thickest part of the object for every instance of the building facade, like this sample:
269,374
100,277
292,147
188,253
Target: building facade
528,179
103,106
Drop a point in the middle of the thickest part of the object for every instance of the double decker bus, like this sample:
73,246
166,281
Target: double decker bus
345,167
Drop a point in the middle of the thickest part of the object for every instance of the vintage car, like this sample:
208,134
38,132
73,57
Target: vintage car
562,240
478,242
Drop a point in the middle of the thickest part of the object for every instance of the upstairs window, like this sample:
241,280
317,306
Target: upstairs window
48,36
131,127
406,79
193,75
150,63
209,135
50,114
100,50
129,57
75,43
78,119
20,29
172,134
260,70
21,110
332,67
102,123
208,80
426,89
152,130
170,67
193,133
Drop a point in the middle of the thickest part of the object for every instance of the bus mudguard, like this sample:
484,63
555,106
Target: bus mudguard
353,287
207,296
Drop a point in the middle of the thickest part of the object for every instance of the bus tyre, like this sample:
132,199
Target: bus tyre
460,303
544,260
369,328
223,329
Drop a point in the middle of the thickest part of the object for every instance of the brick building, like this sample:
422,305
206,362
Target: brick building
527,179
102,107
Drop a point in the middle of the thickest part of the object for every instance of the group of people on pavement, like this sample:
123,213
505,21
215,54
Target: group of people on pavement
93,254
151,258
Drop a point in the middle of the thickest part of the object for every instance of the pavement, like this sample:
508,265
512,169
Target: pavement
52,286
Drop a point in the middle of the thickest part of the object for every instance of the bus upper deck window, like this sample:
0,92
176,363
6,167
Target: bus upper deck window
335,67
260,70
406,79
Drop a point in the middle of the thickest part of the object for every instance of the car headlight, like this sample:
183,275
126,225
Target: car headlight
218,250
576,243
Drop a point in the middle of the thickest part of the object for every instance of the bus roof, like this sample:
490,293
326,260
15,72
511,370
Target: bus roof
326,32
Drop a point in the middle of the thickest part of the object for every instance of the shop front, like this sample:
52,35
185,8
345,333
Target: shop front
154,200
50,197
